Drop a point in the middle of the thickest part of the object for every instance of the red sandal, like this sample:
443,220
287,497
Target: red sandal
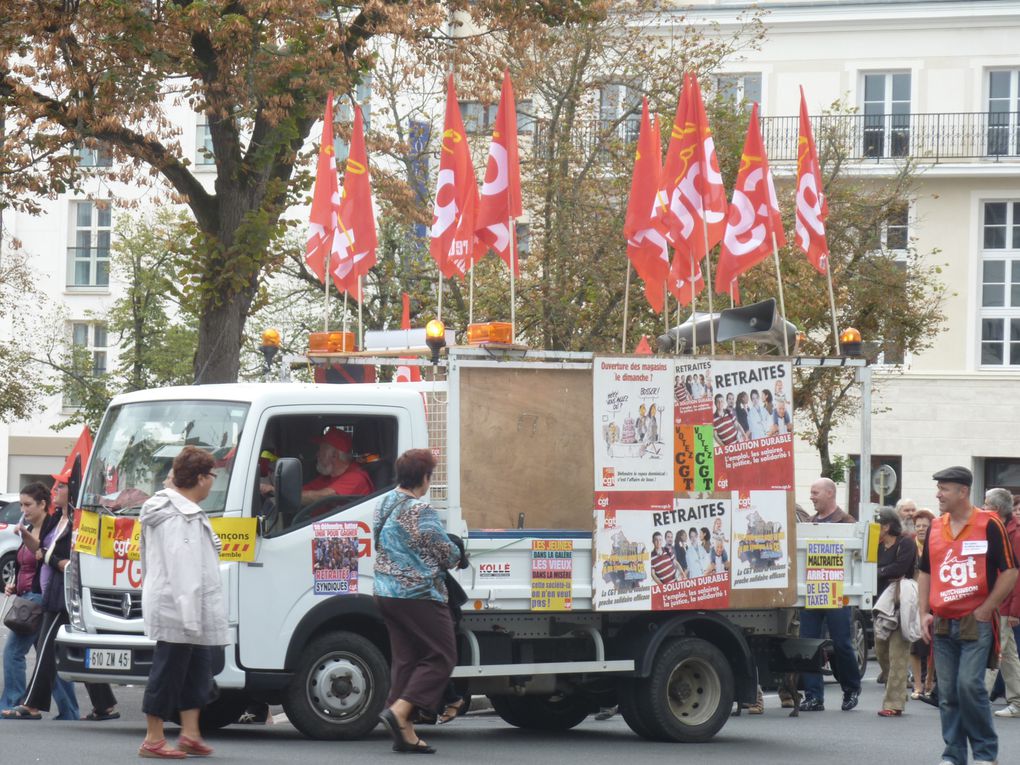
194,747
160,751
890,713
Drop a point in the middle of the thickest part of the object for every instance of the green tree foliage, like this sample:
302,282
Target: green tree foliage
76,73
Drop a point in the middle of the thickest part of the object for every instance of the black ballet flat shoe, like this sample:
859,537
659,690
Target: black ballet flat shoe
393,725
418,747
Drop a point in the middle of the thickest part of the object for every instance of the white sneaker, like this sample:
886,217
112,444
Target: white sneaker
1010,710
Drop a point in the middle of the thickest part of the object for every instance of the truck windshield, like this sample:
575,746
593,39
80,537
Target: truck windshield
137,443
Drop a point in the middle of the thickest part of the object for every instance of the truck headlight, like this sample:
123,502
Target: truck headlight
73,592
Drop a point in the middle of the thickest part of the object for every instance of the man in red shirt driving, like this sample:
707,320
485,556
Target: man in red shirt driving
339,474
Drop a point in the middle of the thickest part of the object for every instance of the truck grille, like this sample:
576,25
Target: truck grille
124,604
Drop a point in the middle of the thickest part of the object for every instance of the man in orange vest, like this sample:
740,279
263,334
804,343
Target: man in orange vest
967,569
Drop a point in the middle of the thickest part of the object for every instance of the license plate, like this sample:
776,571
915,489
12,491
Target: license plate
105,658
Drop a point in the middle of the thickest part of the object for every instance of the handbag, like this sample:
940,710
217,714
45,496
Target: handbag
455,592
24,616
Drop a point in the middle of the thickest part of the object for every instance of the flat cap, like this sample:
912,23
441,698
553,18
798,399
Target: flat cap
955,474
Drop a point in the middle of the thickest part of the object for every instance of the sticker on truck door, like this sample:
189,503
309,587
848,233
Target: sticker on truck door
335,558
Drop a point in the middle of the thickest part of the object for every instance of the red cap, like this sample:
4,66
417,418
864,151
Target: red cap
62,477
338,439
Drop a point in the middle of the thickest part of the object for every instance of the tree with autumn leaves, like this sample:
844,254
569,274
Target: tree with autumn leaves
76,74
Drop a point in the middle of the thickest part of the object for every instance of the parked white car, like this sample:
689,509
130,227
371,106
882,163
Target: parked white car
10,515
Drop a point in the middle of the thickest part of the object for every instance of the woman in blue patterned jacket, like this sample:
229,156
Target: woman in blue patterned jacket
412,555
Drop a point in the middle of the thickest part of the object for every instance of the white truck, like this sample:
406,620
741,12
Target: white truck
514,442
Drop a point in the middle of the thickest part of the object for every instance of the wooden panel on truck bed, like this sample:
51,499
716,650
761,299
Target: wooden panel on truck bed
526,447
777,597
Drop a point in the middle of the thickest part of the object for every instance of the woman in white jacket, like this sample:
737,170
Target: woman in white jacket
182,604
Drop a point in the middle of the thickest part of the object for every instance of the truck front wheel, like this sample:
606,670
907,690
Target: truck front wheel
558,712
339,687
689,694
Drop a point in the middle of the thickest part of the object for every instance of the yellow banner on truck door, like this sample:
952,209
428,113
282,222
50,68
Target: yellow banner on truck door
120,538
86,532
238,537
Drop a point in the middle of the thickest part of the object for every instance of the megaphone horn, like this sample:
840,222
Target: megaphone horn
757,323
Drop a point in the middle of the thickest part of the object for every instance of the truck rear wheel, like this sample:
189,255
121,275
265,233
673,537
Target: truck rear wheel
557,712
627,696
689,694
339,688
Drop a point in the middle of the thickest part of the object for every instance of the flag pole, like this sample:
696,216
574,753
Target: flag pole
513,280
345,312
325,284
694,308
439,286
782,300
708,277
471,294
361,326
626,307
733,345
832,306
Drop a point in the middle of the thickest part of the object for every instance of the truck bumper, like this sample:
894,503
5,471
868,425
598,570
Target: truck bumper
73,647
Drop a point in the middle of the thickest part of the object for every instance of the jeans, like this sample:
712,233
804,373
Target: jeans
15,650
843,661
1007,683
963,701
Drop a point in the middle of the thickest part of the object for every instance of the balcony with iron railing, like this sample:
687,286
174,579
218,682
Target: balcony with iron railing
931,138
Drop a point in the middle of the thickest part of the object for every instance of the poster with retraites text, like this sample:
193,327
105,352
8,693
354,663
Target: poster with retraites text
693,469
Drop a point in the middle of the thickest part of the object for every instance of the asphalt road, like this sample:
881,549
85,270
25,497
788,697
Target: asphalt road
830,738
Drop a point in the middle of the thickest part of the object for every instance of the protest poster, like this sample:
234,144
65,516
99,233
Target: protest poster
633,401
237,536
824,573
753,425
85,537
692,392
552,574
645,560
760,539
335,558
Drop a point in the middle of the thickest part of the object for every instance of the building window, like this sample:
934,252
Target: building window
1000,285
1002,474
886,110
88,346
617,100
94,154
345,116
89,254
739,88
204,156
479,118
1004,112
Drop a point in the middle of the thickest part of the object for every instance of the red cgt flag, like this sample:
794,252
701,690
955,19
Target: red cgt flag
323,241
501,192
812,209
357,235
405,372
753,215
453,226
647,244
693,190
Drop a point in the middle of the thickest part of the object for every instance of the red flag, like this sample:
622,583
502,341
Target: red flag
357,235
643,348
693,190
405,372
501,192
453,225
323,242
753,215
647,244
812,209
82,446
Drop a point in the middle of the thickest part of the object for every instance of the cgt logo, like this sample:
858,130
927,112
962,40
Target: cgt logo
956,572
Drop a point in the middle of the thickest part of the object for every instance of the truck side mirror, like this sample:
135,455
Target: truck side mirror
287,485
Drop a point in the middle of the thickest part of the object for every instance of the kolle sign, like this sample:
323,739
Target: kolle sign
107,536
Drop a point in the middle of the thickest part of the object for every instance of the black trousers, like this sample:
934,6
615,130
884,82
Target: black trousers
40,688
181,678
423,649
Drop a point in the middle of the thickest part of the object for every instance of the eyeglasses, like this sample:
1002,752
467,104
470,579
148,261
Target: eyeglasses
210,474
